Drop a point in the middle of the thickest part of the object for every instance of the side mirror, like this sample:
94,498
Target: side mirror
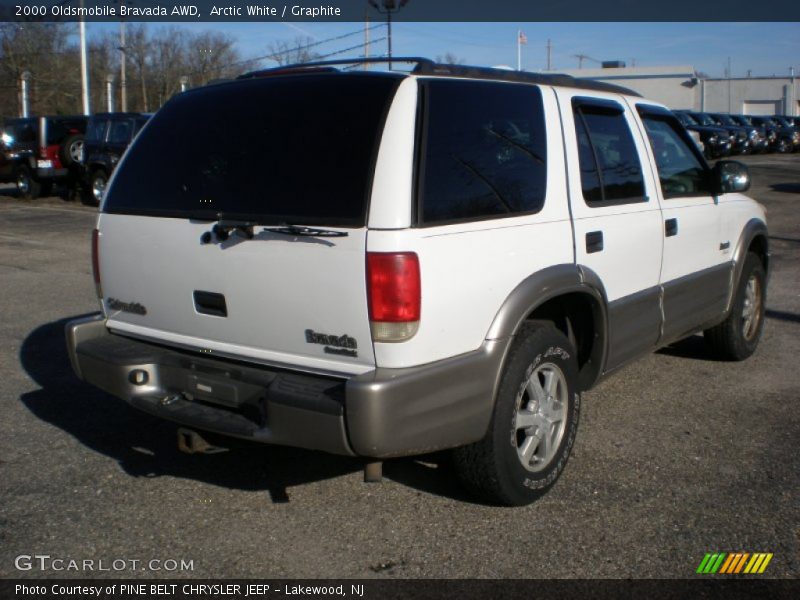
731,176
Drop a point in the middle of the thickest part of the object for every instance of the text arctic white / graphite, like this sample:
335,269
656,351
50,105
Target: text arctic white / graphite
264,10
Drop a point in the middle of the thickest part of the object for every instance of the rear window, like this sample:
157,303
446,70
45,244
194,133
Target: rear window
293,149
60,129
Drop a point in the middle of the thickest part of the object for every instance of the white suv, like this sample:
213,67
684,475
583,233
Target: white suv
386,264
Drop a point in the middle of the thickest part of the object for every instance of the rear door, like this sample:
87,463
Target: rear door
272,152
617,219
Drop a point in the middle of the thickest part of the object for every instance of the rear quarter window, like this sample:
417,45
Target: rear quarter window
483,151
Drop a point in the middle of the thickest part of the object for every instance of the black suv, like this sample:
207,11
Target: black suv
716,140
756,141
781,139
38,152
740,144
107,137
790,125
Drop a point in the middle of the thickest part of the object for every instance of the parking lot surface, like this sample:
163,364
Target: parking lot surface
677,455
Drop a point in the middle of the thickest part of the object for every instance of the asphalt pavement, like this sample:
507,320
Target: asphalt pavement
677,455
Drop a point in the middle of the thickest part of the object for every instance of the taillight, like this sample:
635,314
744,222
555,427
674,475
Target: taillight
394,295
96,262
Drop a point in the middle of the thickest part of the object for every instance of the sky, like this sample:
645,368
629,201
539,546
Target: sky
761,48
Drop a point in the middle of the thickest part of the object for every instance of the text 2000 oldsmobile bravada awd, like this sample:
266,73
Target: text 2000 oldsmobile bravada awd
383,264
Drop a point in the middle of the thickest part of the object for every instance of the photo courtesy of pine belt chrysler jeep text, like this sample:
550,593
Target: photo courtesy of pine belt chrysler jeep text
439,258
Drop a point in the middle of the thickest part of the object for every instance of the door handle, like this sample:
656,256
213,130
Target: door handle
671,227
594,242
210,303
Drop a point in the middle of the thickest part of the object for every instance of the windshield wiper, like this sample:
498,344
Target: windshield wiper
289,229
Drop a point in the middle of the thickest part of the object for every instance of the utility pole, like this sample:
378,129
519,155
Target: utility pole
366,40
84,67
24,82
123,82
388,7
110,92
549,55
730,101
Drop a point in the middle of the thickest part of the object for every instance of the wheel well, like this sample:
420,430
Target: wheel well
760,248
579,317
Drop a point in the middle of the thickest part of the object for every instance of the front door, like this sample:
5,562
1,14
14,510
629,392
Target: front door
696,272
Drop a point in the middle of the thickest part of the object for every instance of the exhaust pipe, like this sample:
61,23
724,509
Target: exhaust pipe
191,442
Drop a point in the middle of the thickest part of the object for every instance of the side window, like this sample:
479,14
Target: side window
120,132
611,172
680,169
484,151
96,130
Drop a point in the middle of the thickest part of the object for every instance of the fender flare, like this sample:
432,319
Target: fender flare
752,229
545,285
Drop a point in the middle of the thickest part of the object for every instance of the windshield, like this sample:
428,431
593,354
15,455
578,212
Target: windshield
685,119
704,120
280,149
725,120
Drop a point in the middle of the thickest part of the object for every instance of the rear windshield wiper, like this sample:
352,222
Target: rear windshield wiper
222,229
289,229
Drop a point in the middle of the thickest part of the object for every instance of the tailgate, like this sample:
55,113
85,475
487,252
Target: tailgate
280,299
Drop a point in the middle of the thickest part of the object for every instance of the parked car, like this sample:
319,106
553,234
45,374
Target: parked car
781,140
716,140
757,141
789,121
446,263
740,142
791,126
19,138
769,135
108,135
42,151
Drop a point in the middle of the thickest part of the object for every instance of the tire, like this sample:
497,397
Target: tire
737,337
510,465
46,189
71,150
27,186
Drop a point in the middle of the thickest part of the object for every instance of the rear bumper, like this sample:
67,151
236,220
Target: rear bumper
383,413
52,173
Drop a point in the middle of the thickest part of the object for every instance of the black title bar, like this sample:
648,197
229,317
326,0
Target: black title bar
412,10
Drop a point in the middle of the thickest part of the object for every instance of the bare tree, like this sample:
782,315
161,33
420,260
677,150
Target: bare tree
288,53
449,59
156,61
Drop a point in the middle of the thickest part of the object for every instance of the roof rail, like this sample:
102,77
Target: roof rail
557,79
425,66
327,65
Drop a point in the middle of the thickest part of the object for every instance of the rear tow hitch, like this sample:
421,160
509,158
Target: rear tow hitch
192,442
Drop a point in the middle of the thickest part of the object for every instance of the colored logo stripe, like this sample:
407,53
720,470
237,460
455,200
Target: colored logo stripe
734,563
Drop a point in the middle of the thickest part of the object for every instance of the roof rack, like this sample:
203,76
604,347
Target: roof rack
425,66
328,65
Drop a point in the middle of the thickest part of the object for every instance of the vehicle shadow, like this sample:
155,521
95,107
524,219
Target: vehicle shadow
789,188
693,347
145,446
